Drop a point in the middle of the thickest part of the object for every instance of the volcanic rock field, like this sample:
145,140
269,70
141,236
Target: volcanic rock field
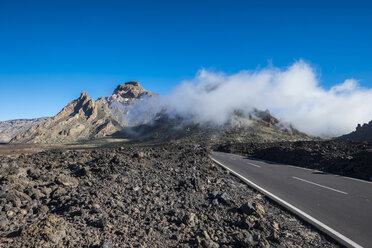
138,196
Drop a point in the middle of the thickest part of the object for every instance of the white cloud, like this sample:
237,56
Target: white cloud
292,94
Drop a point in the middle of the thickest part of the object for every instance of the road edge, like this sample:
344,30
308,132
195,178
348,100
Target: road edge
304,216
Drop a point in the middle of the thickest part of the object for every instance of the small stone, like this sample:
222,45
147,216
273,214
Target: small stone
189,219
3,223
68,181
246,239
259,209
43,209
275,225
46,191
96,206
106,244
250,221
226,198
10,213
23,211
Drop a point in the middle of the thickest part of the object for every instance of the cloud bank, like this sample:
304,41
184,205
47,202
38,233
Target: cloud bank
292,94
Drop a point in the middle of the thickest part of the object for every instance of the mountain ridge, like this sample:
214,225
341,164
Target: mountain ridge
88,119
84,118
11,128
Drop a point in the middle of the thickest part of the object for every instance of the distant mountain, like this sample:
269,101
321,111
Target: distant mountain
257,126
85,118
9,129
361,133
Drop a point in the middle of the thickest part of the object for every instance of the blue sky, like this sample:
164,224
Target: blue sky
52,50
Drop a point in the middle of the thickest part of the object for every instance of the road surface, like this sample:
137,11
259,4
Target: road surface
340,206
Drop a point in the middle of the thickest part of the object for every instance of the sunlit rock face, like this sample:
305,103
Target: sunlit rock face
85,118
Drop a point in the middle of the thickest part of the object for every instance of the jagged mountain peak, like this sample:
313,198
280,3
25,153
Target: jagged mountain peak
85,118
84,95
131,89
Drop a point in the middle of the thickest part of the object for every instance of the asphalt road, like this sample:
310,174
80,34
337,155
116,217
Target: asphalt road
340,206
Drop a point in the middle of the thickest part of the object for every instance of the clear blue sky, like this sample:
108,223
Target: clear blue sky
52,50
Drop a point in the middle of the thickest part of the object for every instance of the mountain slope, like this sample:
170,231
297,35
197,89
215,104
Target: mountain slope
361,133
84,118
10,129
258,126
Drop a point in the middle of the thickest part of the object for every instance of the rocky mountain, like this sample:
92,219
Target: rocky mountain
10,129
85,118
361,133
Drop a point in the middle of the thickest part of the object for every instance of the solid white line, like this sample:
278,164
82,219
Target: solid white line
339,191
258,166
328,229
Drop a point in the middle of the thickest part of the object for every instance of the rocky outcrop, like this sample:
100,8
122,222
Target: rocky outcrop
362,133
85,118
10,129
129,92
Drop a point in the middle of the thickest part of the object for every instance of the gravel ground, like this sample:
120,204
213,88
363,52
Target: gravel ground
163,196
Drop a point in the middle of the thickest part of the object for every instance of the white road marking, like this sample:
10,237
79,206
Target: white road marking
304,215
258,166
306,181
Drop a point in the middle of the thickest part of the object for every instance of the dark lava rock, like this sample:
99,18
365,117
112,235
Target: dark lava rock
163,196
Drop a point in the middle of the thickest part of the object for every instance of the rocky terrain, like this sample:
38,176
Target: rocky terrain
163,196
361,133
10,129
85,118
344,158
